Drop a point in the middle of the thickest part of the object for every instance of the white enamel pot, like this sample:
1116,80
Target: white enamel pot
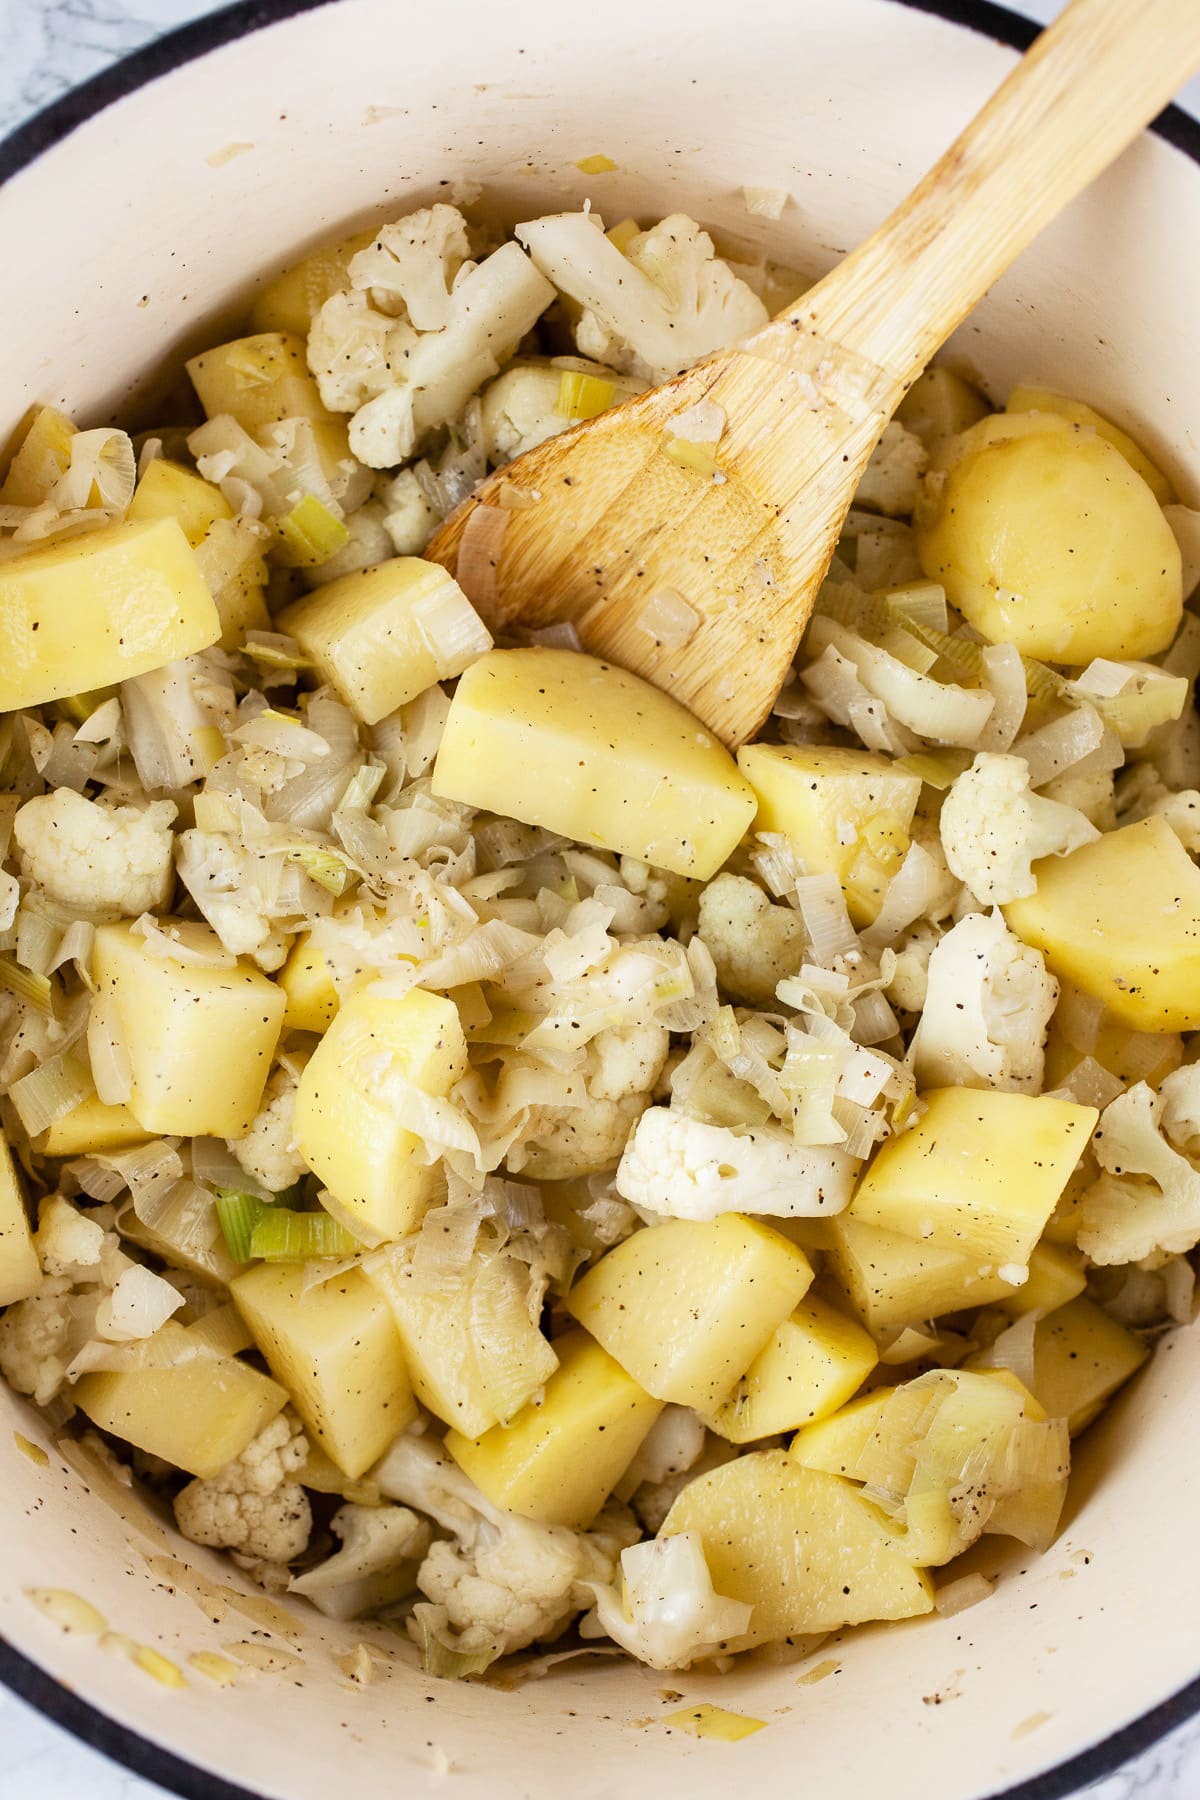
136,213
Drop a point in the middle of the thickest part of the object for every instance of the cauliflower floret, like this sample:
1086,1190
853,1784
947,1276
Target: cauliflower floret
753,943
221,877
669,1614
505,1582
619,1076
254,1504
97,858
684,1169
994,829
674,1442
623,1063
1092,795
652,1500
409,517
986,1010
891,480
1181,811
910,975
664,304
1147,1201
1180,1093
268,1151
376,1565
67,1241
411,265
81,1259
35,1341
520,408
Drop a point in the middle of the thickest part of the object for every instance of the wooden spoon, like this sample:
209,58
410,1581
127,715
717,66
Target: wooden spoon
807,397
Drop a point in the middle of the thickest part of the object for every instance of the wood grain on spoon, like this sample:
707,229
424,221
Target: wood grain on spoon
805,399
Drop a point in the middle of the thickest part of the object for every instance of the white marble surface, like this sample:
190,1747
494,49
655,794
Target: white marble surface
48,45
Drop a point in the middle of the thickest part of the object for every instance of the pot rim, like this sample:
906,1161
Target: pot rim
21,147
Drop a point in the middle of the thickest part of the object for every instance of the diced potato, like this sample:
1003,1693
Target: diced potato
351,1138
306,979
939,405
89,611
558,739
258,380
834,1445
169,491
290,302
1120,918
20,1272
560,1459
685,1307
336,1351
200,1040
198,1415
890,1280
242,605
89,1127
816,1360
41,457
804,1549
367,632
1047,539
474,1355
847,812
981,1171
1055,1277
1036,399
1080,1358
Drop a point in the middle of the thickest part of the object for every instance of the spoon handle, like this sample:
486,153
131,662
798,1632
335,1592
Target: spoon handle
1089,84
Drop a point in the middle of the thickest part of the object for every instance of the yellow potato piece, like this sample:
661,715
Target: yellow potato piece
20,1272
364,632
980,1172
306,979
847,813
1047,539
890,1280
198,1415
336,1351
804,1549
200,1040
685,1307
41,457
559,1460
290,302
169,491
352,1140
1120,918
558,739
816,1360
1024,399
1055,1277
89,1127
93,610
1080,1358
258,380
939,405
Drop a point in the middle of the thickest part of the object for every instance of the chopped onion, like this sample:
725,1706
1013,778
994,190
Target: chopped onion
1090,1084
1063,744
823,909
766,202
561,636
479,555
453,630
49,1092
668,620
956,1596
1004,676
702,423
139,1304
1079,1017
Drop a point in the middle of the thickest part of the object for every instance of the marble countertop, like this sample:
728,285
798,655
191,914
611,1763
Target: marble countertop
49,45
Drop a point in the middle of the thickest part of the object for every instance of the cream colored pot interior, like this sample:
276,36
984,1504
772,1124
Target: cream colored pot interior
152,218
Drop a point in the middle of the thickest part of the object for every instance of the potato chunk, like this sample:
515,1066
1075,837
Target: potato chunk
804,1549
88,612
40,459
847,813
258,380
169,491
981,1172
200,1040
198,1415
1044,537
1080,1358
890,1280
558,739
1120,918
289,303
346,1130
816,1360
20,1273
686,1307
312,998
89,1127
371,634
559,1460
336,1351
1044,400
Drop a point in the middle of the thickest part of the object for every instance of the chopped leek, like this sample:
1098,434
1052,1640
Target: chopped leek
271,650
35,990
280,1235
437,1657
936,768
711,1721
78,708
238,1215
362,788
49,1092
324,866
922,602
699,458
582,396
312,533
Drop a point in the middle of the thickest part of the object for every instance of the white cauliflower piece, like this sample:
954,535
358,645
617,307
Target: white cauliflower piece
623,1063
669,1615
1147,1201
673,1444
1180,1121
268,1151
376,1565
994,828
664,304
139,1304
409,518
411,265
891,480
254,1504
222,878
910,974
67,1241
684,1169
1092,795
753,943
519,408
619,1076
35,1341
504,1582
987,1009
1181,811
96,858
